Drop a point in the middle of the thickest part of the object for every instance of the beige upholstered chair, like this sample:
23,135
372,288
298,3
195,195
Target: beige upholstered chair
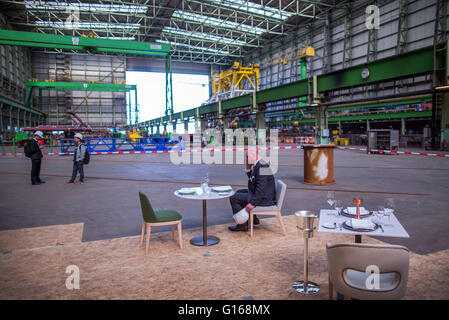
348,274
281,188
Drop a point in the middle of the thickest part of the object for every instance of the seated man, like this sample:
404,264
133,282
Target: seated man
261,189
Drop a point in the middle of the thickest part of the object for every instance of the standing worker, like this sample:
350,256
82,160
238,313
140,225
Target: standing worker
33,151
78,159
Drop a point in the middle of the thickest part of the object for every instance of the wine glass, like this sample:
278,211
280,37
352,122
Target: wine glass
331,198
379,213
390,206
205,183
338,206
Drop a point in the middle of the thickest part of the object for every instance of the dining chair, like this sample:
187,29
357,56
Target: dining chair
275,210
158,218
368,271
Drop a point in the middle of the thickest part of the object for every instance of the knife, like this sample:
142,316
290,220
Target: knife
381,228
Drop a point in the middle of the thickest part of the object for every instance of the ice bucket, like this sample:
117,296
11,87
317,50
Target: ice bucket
306,223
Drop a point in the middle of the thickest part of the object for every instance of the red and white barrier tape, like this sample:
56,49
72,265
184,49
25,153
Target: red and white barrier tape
396,152
158,151
233,149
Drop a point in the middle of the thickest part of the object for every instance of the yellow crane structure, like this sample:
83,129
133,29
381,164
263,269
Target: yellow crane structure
235,81
303,52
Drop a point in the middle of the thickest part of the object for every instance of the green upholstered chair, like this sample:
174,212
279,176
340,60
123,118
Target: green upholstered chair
153,218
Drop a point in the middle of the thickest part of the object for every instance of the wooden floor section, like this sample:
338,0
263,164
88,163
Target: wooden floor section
33,263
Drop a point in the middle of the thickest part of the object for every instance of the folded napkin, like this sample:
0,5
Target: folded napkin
187,191
241,217
362,224
222,189
353,211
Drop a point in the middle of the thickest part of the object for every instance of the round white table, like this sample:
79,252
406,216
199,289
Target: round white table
204,240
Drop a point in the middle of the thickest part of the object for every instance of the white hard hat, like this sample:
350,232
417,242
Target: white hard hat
79,136
39,133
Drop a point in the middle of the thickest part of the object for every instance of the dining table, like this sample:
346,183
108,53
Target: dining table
199,194
332,222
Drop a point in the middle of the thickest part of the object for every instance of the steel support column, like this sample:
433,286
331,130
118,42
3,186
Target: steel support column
433,125
347,42
260,120
1,118
327,46
10,119
225,123
168,86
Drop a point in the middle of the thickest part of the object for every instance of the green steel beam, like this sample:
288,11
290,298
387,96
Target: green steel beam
35,39
138,52
40,45
81,86
399,66
286,114
398,115
384,104
371,105
21,106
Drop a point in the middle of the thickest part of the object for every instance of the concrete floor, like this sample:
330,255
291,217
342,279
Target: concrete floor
109,207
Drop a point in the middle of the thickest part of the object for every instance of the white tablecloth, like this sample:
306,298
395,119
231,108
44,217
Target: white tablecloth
392,227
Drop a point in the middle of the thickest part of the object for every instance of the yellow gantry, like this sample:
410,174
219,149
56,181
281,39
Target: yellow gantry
236,78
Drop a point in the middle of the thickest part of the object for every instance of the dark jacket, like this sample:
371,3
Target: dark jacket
36,152
261,186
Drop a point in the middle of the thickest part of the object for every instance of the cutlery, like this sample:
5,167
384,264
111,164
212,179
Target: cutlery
381,228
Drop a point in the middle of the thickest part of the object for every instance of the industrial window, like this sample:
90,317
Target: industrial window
177,44
87,25
251,7
206,20
204,36
89,7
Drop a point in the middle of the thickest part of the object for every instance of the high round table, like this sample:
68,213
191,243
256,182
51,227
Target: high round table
200,195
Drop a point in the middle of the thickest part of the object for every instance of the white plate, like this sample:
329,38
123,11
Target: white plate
187,191
329,226
222,189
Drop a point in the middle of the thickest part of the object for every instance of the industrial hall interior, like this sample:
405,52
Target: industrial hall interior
252,150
